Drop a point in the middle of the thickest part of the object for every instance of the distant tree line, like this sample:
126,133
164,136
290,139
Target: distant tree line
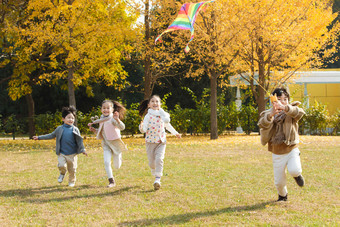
79,52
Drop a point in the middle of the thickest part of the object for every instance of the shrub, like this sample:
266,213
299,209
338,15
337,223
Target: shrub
1,124
132,120
248,118
227,117
83,120
46,123
181,119
317,118
13,125
334,122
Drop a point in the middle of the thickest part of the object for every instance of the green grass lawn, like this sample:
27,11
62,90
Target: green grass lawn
228,181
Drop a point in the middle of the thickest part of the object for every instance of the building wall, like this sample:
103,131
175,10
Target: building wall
327,94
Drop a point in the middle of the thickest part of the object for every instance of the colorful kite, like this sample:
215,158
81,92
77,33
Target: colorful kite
186,20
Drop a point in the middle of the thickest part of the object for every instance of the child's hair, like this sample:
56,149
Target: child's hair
280,91
116,107
68,110
144,105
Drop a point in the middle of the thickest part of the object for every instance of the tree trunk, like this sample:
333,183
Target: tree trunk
147,60
262,80
70,84
147,79
213,107
30,105
261,92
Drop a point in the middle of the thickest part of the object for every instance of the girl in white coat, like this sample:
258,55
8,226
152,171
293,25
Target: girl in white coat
155,121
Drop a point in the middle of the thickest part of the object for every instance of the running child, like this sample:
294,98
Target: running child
69,144
155,121
110,125
279,129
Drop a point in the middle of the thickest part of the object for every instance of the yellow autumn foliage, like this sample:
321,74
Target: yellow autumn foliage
79,40
267,36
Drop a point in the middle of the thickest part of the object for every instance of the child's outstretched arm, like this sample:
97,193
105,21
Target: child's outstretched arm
266,119
171,129
100,120
47,136
294,111
266,125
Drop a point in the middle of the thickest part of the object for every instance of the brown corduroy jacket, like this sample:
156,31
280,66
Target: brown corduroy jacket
290,125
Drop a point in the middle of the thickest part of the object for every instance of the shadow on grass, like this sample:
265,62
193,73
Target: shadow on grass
43,190
147,191
24,193
183,218
110,192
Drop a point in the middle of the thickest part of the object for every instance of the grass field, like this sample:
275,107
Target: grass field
228,181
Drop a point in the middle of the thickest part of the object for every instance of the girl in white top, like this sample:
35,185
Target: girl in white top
110,125
154,124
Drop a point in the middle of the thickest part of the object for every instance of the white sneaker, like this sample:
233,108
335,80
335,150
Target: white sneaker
61,178
71,184
157,185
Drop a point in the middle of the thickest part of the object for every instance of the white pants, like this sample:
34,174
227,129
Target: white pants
156,152
68,163
108,154
293,163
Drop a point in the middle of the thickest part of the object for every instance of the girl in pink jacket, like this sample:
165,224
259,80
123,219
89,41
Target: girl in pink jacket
110,125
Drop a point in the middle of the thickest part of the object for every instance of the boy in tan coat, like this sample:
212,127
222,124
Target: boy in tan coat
279,129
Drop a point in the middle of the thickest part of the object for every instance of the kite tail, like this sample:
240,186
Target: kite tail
158,38
187,49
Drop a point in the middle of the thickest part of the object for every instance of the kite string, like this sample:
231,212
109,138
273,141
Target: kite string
268,93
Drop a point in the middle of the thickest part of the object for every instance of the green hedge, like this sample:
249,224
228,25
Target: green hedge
317,120
187,121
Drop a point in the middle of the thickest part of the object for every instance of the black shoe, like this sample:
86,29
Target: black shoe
112,183
300,181
283,198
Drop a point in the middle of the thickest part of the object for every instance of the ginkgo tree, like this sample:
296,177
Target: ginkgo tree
12,13
279,37
76,41
261,37
213,50
160,59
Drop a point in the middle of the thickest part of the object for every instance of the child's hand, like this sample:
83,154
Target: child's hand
274,111
116,115
35,137
141,125
84,153
92,129
278,105
89,124
178,136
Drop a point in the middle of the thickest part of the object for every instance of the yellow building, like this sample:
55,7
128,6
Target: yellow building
322,86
